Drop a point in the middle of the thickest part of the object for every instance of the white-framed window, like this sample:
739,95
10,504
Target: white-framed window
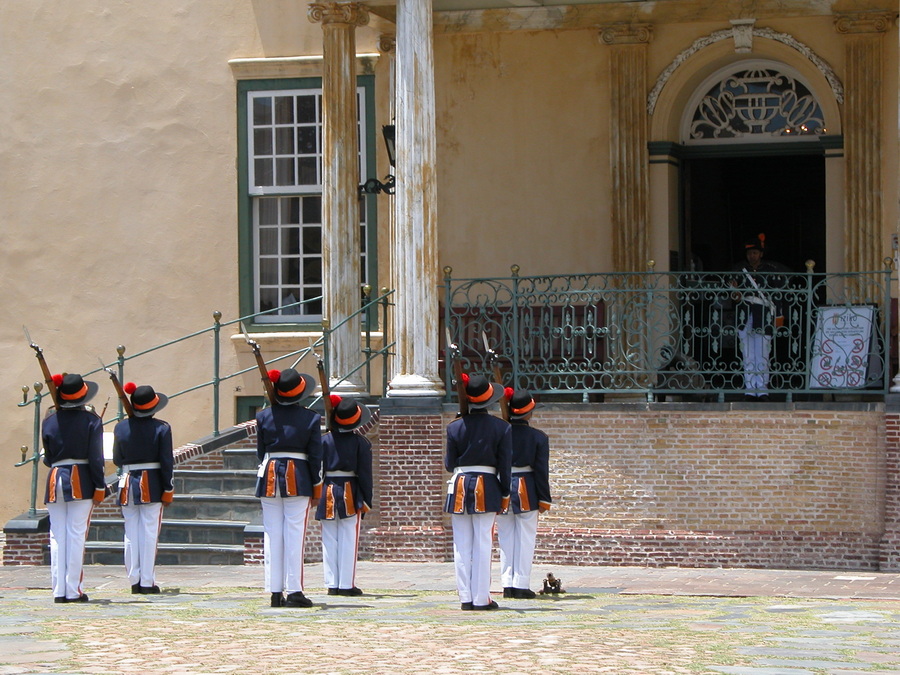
283,195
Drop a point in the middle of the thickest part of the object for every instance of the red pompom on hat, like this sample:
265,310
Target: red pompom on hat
508,392
57,379
335,400
274,375
465,378
129,387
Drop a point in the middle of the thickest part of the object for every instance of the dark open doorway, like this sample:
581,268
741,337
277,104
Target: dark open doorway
728,200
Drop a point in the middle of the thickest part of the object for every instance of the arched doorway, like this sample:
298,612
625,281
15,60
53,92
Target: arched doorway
752,163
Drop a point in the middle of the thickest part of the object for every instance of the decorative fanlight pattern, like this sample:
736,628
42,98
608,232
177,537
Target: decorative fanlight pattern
757,102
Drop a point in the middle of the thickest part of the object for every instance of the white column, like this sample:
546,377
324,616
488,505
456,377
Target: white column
414,241
340,183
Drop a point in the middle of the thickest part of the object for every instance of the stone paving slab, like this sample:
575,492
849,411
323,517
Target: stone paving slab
610,620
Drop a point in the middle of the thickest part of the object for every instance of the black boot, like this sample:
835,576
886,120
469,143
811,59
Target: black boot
277,600
297,599
135,589
508,592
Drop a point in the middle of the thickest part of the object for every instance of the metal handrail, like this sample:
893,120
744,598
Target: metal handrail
369,308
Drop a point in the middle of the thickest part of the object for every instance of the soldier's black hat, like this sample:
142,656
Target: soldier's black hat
521,404
348,414
291,386
73,390
481,392
145,402
758,242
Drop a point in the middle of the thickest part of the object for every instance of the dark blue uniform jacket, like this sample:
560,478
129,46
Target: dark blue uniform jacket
73,434
478,439
293,429
344,496
531,447
144,440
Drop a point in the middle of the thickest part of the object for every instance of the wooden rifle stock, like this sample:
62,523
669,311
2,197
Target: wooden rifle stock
326,392
498,376
456,355
120,392
261,365
48,378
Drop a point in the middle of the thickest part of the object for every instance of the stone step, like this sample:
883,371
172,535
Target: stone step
215,482
214,507
240,458
209,532
113,553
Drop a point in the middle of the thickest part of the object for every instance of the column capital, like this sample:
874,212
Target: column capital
863,22
387,43
626,34
350,13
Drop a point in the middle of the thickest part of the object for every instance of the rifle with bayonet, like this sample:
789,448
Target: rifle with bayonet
494,363
326,392
48,378
120,392
261,364
460,383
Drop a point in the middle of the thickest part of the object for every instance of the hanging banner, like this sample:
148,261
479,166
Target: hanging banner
843,348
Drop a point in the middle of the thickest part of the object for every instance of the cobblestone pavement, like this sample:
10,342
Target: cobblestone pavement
609,620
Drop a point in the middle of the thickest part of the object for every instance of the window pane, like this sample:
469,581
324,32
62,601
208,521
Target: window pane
268,271
262,110
312,240
312,210
262,170
308,174
313,292
290,271
362,239
268,241
306,109
312,270
284,141
268,211
268,299
290,240
262,142
284,110
290,211
284,167
288,297
306,140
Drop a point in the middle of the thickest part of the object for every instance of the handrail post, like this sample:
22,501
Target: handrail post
810,319
120,362
217,329
32,510
367,350
384,340
514,339
326,352
448,314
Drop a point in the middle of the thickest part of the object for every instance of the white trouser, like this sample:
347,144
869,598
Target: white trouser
284,522
68,530
516,533
142,523
340,541
472,556
755,348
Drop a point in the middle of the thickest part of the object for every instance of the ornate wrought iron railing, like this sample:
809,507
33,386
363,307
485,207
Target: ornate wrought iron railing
668,334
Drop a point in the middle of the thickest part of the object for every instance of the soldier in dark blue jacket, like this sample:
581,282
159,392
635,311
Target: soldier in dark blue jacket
530,495
73,449
289,448
346,494
479,454
142,449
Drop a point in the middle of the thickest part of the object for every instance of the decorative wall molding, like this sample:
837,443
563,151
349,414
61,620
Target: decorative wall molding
865,22
352,13
730,33
626,34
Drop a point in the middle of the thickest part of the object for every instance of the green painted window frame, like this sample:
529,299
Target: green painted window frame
246,262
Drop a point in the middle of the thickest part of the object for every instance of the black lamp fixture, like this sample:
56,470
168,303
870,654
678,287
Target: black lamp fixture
373,186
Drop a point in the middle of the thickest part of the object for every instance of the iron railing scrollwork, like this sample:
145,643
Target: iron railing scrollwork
579,337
